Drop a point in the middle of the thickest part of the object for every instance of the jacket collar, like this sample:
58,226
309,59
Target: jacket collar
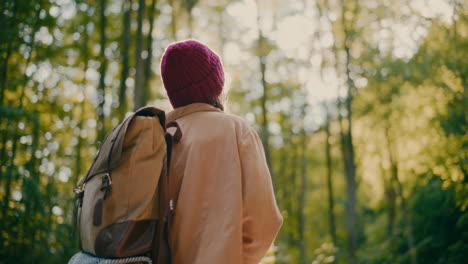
190,109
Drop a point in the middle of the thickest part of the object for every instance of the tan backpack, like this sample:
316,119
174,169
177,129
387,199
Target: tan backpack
125,201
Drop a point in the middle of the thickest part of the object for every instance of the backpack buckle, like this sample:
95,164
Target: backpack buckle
107,175
106,184
79,189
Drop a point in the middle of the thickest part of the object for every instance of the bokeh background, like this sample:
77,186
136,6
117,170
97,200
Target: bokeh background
361,106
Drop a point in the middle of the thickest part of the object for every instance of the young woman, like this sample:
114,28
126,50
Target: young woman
226,210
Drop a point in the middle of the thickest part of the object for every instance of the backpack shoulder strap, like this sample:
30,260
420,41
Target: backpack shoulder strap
173,184
168,197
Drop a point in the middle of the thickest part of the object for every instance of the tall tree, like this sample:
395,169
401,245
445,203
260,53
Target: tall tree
347,138
102,69
149,46
390,199
221,27
399,190
139,90
321,8
262,51
328,158
173,4
84,50
12,173
125,50
189,5
303,189
9,40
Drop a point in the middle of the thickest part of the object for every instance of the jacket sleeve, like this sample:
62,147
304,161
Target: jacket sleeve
261,217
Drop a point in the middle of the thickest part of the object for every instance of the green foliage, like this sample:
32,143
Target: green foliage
440,227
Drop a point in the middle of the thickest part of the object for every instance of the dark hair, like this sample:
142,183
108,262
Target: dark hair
217,103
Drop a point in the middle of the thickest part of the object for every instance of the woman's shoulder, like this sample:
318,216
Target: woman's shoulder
238,122
220,123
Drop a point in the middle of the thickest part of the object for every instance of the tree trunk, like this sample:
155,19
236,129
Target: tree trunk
3,81
49,214
265,132
283,165
331,201
149,46
101,128
303,189
31,191
85,53
265,135
127,7
349,212
350,167
294,196
16,135
3,150
10,42
399,192
350,189
350,175
221,34
390,198
328,157
139,92
173,20
190,22
4,73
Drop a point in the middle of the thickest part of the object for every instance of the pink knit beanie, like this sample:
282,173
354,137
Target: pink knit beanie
191,73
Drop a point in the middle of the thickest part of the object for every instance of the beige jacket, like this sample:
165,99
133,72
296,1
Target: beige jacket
226,212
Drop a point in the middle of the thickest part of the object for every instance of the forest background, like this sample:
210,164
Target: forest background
361,106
